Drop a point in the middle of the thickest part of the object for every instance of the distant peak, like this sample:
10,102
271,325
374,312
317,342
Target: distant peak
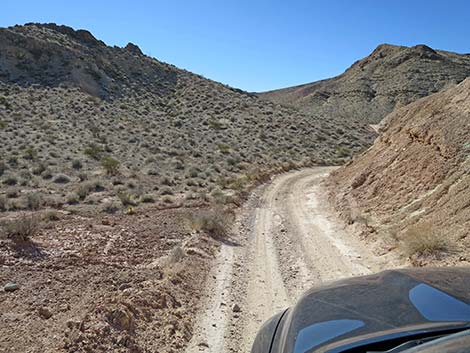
134,49
385,49
423,48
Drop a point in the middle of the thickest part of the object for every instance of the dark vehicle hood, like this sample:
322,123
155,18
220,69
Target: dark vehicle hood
391,304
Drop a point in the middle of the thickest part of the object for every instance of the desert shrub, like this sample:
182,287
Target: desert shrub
72,198
110,165
167,191
167,199
61,179
77,164
30,153
33,200
82,176
3,203
93,151
193,172
47,174
3,167
12,193
422,240
11,180
22,228
50,215
219,196
147,198
88,187
126,199
214,222
13,161
342,151
38,169
54,201
110,207
214,124
167,181
224,148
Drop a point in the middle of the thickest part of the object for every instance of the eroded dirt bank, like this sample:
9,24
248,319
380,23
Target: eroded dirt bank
287,241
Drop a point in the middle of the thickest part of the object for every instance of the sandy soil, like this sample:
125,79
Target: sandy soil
121,283
287,241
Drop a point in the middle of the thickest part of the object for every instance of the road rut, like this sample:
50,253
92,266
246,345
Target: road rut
286,241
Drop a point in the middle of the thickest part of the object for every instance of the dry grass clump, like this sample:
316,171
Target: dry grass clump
422,240
22,228
214,222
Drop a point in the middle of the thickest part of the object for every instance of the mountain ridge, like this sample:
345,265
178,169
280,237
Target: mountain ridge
69,105
391,76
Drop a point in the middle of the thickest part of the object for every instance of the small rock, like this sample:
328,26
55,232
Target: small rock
124,286
45,313
64,307
11,287
236,308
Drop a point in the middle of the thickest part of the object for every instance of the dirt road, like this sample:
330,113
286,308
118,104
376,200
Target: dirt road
286,241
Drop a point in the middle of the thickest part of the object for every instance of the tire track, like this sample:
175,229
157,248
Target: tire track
288,241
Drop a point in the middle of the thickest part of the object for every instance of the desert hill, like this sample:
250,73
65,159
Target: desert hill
85,123
390,77
413,184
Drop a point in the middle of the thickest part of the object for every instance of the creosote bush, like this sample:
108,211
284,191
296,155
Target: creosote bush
126,199
110,165
93,151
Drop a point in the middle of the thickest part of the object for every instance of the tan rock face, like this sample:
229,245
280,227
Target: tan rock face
417,171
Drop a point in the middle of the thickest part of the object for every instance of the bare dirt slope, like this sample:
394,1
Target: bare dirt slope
289,241
390,77
104,284
412,188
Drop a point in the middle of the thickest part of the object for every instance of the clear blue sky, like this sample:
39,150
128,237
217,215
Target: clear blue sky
257,45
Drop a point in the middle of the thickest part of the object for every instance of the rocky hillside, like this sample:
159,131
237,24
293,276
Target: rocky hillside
413,186
389,78
83,123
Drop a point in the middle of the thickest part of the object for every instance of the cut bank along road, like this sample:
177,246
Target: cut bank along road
287,240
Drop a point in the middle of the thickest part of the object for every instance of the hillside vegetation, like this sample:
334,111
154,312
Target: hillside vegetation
83,123
390,77
412,187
